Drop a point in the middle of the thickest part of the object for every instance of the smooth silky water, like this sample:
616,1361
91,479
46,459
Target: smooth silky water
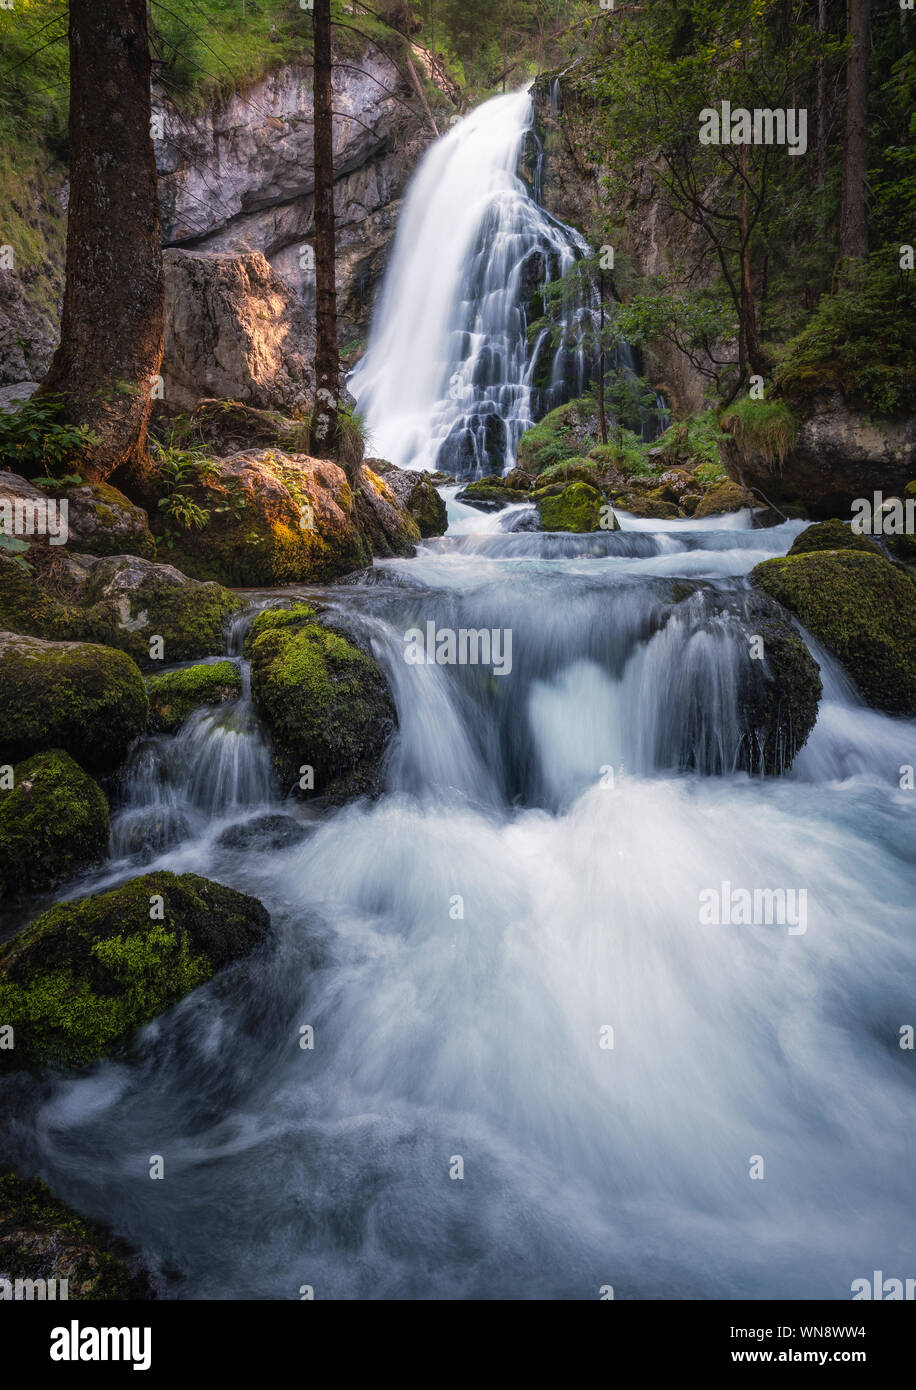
439,1036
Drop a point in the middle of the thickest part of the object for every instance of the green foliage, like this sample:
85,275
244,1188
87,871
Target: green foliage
696,439
860,338
181,470
766,427
35,437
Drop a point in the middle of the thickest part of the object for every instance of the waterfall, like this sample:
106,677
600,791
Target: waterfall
449,380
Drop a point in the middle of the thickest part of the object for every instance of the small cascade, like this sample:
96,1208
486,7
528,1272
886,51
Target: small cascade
216,765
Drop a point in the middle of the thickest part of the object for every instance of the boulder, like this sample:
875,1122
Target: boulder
235,330
576,508
99,518
862,608
384,521
86,699
53,823
176,694
642,505
780,694
86,974
41,1238
831,535
274,518
490,494
325,702
724,496
567,432
417,493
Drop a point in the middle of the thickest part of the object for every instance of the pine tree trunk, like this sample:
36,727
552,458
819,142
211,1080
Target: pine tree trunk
107,364
324,431
753,354
853,236
821,98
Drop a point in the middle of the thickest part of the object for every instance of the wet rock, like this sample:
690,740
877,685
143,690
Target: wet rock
724,496
417,493
87,699
86,974
265,833
53,823
43,1240
175,695
577,508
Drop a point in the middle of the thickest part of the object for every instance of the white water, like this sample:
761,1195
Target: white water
479,1036
447,379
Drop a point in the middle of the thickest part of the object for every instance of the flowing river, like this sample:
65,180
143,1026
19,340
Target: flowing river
462,947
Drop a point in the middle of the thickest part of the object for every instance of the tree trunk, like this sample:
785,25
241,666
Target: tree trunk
753,353
106,367
853,236
324,431
822,98
602,417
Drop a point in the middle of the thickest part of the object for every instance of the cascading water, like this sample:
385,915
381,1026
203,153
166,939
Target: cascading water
449,380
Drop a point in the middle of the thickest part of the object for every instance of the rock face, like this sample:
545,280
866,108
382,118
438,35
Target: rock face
233,329
837,455
863,608
53,823
86,699
325,702
28,335
43,1239
240,176
86,974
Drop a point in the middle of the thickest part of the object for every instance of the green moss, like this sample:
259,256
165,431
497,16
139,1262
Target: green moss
694,441
326,704
88,973
567,432
780,696
572,470
191,619
53,822
269,618
43,1238
490,494
576,508
763,427
863,609
724,496
88,700
176,694
831,535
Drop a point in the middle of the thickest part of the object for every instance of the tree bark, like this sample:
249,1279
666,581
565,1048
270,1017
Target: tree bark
602,366
324,430
107,364
753,353
821,98
853,235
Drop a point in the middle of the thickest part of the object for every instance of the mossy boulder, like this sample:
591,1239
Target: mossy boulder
724,496
290,615
273,518
863,608
176,694
831,535
490,494
385,524
417,493
87,974
42,1238
576,508
567,432
86,699
325,702
102,521
780,694
649,508
53,823
121,601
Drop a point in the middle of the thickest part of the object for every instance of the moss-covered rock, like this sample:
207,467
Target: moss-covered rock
102,521
384,522
567,432
780,694
490,494
176,694
88,700
576,508
291,615
831,535
41,1238
724,496
863,608
417,493
121,601
325,702
650,508
87,974
53,823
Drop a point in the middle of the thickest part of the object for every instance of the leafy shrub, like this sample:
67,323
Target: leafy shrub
35,437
